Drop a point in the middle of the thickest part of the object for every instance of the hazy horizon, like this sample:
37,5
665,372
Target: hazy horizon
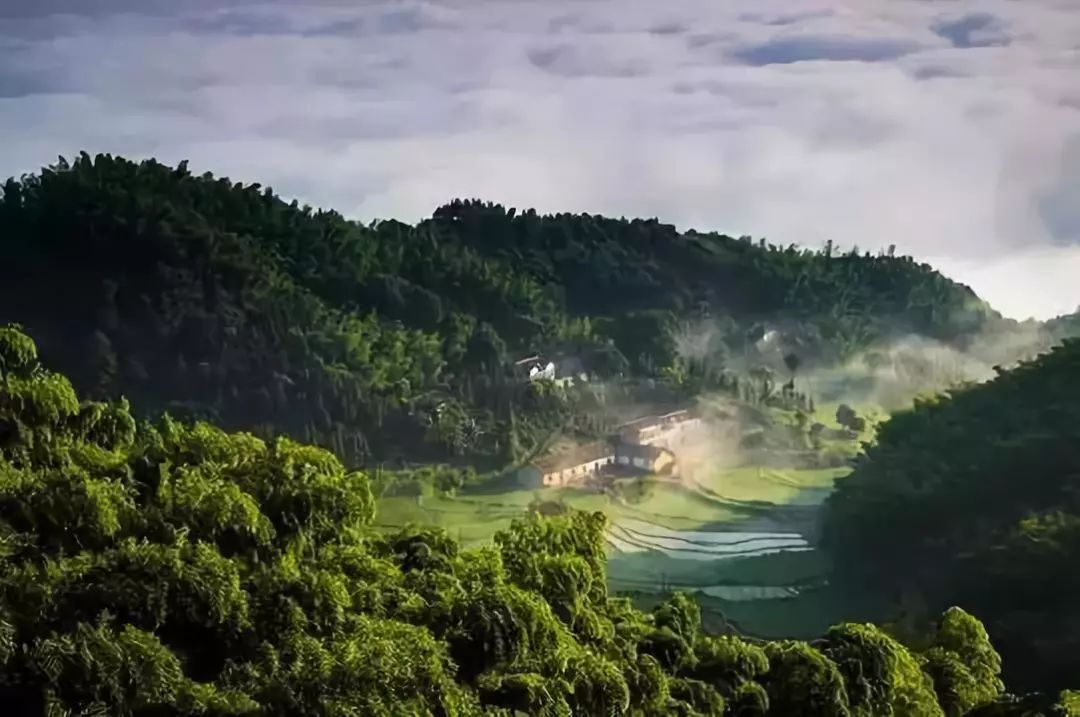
951,130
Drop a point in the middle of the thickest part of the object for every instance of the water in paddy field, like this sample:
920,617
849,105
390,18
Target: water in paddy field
737,593
629,535
754,569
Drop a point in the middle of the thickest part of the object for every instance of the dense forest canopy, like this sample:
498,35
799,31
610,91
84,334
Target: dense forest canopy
974,499
175,568
219,300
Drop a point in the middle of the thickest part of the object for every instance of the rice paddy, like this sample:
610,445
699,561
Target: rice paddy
629,535
740,539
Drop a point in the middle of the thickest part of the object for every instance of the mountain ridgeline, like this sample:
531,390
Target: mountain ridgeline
209,298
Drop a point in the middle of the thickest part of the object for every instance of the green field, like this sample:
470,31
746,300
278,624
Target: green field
678,507
740,539
729,497
475,518
478,516
779,486
646,570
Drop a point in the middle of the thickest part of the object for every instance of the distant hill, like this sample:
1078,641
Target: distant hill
613,266
207,297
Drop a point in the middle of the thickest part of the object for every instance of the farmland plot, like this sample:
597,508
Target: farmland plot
630,535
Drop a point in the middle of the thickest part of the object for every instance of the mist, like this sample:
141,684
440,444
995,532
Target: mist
885,377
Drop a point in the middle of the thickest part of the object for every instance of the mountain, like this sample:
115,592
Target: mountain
973,499
204,297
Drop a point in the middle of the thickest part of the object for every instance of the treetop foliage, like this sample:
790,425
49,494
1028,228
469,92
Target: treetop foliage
971,499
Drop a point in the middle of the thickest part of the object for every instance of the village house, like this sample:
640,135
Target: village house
669,430
643,457
534,368
568,468
647,444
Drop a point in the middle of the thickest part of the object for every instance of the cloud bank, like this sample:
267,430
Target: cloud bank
951,130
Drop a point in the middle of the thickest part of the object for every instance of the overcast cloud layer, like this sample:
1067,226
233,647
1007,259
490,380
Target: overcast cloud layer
950,129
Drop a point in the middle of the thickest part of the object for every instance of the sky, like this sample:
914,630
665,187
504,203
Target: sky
948,128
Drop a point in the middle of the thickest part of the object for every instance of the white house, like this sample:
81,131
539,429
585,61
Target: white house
538,372
670,429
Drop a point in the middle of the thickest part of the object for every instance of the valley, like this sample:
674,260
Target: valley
499,462
741,538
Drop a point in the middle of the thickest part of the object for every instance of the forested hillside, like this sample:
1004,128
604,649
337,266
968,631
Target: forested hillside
178,569
974,499
208,298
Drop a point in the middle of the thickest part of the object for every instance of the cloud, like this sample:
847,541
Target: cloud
977,29
785,18
867,124
667,28
98,8
785,50
934,72
27,80
240,22
1060,204
568,60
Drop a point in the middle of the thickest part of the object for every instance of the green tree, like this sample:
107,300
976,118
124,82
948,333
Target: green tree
977,492
963,664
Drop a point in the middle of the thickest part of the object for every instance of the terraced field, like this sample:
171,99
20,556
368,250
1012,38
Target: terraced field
629,535
742,539
773,486
753,568
673,506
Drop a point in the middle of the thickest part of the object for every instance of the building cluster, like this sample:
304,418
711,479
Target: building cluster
668,431
646,445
